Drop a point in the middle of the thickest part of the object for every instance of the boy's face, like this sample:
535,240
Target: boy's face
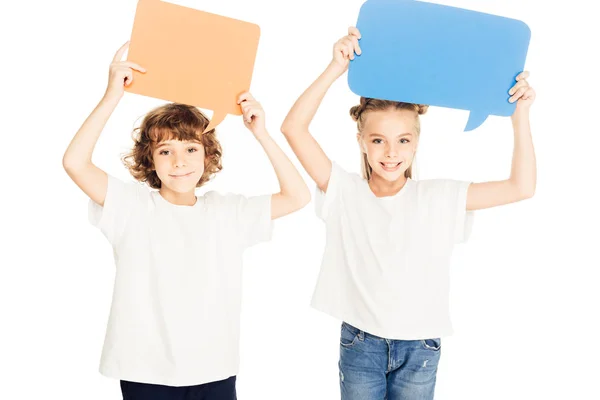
179,164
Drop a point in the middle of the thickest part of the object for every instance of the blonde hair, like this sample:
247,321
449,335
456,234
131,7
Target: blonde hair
173,121
369,104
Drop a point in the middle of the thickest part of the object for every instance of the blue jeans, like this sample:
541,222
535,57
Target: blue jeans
374,368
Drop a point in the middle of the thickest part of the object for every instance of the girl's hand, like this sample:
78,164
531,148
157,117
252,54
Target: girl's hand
522,93
344,50
120,74
253,114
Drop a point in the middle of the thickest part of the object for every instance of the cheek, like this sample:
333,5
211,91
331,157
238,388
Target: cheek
160,164
374,150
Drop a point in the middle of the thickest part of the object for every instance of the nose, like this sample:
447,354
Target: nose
391,151
179,162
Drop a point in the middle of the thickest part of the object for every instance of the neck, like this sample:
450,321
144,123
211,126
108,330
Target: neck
382,187
179,199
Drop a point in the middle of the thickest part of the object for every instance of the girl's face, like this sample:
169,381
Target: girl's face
389,138
179,164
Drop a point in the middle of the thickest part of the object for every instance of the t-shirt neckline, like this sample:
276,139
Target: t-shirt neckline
398,194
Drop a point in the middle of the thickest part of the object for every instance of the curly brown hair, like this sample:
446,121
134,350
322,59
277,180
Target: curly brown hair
369,104
172,121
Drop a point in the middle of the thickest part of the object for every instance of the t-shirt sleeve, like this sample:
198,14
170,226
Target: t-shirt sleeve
326,201
454,195
112,218
253,218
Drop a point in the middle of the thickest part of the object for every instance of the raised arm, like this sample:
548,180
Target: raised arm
522,181
296,124
293,194
77,160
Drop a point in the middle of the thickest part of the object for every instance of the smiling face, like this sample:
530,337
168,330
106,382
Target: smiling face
179,165
389,139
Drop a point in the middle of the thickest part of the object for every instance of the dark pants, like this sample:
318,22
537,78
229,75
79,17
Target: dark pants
219,390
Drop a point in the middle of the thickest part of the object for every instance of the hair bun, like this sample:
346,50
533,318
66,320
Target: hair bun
355,112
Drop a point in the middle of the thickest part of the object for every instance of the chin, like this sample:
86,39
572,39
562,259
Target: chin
181,189
391,176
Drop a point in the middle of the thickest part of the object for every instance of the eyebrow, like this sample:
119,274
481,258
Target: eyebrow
380,135
163,144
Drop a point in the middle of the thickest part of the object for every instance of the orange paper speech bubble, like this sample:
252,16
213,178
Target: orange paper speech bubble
192,57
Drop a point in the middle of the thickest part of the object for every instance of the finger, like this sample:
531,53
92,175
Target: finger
245,107
248,115
523,75
355,45
348,47
128,78
529,94
344,51
119,54
517,95
132,65
519,85
244,97
353,31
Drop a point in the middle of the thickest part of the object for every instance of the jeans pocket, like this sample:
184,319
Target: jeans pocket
348,335
432,344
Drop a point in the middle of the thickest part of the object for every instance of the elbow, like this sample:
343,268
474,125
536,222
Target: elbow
285,129
305,198
288,128
300,199
67,163
70,165
528,193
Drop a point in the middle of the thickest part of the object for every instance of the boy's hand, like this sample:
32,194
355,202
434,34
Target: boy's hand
253,114
120,74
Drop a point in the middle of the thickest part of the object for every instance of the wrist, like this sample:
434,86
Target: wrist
111,97
520,115
334,69
262,135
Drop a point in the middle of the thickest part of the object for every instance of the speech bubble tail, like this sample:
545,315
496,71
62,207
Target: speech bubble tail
475,120
216,119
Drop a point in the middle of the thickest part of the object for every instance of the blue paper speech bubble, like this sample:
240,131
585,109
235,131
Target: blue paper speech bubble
438,55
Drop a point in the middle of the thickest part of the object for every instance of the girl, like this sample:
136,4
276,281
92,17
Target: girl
389,237
173,330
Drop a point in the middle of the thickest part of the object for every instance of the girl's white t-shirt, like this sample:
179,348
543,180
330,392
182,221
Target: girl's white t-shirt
385,267
175,314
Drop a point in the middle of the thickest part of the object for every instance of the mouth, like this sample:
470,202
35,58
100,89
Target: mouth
181,175
390,167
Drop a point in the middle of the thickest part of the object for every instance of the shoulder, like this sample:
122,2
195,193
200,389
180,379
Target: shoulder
218,199
437,184
343,176
126,190
441,190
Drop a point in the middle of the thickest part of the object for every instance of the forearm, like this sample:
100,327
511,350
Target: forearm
83,143
305,108
523,172
290,181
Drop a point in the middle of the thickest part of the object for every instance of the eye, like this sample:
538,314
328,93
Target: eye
377,141
192,150
164,152
406,140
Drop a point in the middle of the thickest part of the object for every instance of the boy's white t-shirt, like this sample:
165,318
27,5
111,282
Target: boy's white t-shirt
385,267
175,314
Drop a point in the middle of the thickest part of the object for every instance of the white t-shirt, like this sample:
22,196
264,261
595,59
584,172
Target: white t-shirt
175,314
385,267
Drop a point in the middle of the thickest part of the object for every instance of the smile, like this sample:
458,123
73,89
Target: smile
390,167
182,176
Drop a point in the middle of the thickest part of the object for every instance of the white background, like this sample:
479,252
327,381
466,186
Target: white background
524,288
